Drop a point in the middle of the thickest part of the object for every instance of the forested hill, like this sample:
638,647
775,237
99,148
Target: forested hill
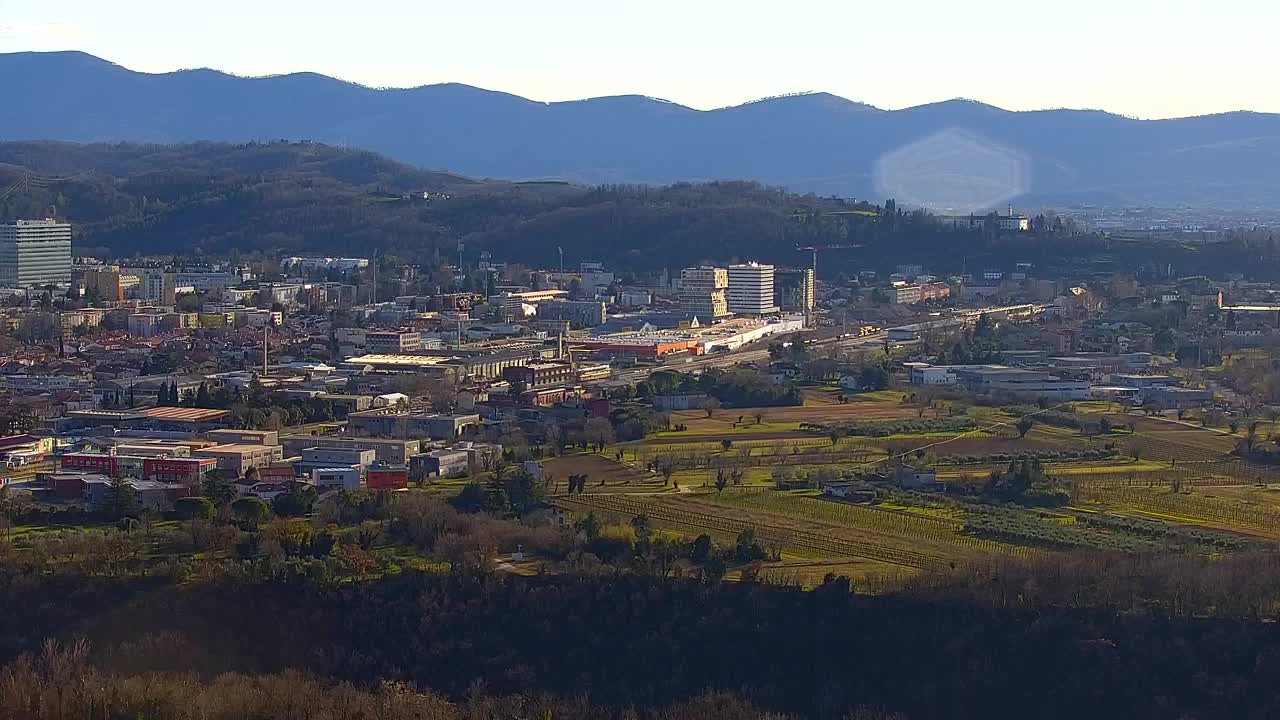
810,143
307,197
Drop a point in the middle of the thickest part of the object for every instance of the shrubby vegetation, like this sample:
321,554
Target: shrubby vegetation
735,387
1040,455
1087,425
1025,482
885,428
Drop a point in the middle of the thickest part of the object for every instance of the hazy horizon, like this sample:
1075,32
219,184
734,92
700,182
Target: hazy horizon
704,56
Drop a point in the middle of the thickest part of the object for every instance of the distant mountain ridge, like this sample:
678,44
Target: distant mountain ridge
814,142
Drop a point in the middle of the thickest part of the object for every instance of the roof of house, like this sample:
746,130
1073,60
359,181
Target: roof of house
181,414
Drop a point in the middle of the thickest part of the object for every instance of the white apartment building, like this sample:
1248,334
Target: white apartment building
210,281
35,253
703,292
750,289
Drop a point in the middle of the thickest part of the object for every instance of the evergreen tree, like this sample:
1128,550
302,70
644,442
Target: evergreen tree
203,399
121,500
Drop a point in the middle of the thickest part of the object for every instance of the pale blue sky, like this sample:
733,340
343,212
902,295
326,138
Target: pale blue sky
1147,58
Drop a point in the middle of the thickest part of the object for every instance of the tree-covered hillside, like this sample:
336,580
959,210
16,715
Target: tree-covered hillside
305,198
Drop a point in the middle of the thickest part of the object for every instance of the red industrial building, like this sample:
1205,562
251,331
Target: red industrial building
90,462
187,471
387,477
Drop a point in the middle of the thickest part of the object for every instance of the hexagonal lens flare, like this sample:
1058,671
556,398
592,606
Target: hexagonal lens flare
953,172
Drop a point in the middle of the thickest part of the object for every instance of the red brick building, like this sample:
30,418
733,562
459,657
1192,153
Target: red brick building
387,477
187,471
90,462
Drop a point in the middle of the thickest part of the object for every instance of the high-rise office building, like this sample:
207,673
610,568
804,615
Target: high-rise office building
702,292
793,290
750,289
35,253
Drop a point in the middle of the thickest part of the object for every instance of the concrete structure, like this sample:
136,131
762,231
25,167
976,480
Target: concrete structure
103,282
522,303
389,422
344,404
1103,362
912,478
750,290
387,450
334,457
35,253
535,375
429,365
668,403
441,463
793,290
703,292
250,437
1013,222
728,335
1019,382
909,294
145,324
238,459
635,298
391,342
151,494
160,286
346,478
308,263
204,281
926,374
581,313
1175,397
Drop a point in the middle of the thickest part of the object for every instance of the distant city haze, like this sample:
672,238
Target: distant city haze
1136,57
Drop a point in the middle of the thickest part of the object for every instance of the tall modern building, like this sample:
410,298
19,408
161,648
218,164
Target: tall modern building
35,253
702,292
793,290
751,289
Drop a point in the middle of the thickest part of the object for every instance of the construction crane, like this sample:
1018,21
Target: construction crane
813,218
815,248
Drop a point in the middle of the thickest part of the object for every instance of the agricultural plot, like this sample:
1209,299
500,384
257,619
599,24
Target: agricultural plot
616,477
688,515
938,530
1225,512
1067,531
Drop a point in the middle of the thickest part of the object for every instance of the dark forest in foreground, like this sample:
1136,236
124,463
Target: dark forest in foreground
1098,636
